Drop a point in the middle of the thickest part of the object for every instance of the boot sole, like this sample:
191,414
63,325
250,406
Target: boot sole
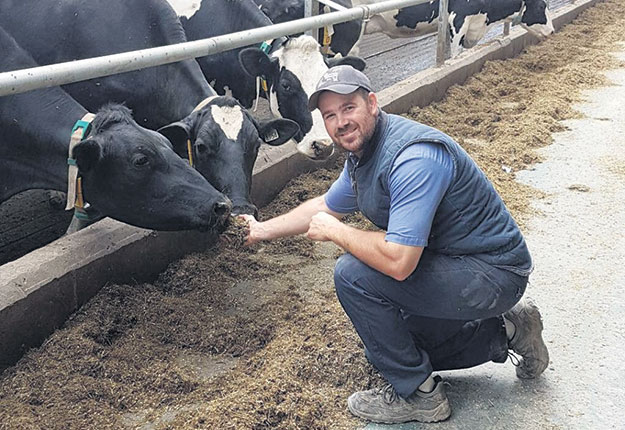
533,312
440,413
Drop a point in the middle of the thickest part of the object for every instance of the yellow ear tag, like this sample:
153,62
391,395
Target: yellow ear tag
190,152
263,84
80,202
327,38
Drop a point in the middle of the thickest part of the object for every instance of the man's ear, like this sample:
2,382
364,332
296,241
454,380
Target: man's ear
177,133
87,154
257,63
277,131
356,62
373,102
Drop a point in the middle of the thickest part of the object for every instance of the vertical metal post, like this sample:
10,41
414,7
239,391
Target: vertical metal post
311,8
506,28
443,51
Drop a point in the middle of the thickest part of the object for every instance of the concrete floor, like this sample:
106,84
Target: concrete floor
577,240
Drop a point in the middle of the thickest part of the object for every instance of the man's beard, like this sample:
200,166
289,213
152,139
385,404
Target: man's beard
362,141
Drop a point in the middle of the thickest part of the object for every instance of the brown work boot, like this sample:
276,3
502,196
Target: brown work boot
527,340
384,405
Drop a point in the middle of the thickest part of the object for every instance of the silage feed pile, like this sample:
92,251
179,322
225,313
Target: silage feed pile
254,338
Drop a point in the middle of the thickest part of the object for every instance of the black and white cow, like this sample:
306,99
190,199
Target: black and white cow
469,20
291,68
343,36
128,172
225,153
76,29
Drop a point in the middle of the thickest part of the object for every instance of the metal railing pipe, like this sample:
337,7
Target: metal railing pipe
333,5
64,73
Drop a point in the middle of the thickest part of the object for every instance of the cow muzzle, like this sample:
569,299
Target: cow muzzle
245,209
219,213
317,149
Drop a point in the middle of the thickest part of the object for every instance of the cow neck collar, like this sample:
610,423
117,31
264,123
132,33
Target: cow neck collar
75,200
271,45
203,103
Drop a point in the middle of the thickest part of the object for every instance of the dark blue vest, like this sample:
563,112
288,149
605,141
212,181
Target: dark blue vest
471,218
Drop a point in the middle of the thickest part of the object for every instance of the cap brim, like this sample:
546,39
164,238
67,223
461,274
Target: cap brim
337,88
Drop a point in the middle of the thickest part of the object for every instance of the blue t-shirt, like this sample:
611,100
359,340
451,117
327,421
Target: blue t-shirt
418,180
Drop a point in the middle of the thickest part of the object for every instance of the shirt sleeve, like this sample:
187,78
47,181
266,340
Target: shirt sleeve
418,181
340,197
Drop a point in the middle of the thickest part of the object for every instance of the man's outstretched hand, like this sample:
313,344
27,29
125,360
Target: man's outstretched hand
252,228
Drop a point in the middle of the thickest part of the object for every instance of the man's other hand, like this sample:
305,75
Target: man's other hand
322,226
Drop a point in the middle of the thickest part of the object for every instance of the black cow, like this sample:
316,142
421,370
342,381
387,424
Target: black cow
128,172
54,32
291,68
76,29
469,20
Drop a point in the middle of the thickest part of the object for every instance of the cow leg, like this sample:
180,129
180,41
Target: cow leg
455,45
355,51
365,28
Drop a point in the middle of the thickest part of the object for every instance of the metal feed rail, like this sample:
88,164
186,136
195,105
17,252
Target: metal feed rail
64,73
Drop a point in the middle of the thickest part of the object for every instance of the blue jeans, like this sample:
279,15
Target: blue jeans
445,315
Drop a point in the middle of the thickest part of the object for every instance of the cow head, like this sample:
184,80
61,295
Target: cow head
292,73
131,174
536,18
224,142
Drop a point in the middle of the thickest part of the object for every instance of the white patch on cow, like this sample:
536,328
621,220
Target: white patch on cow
302,57
186,8
541,30
229,118
473,29
273,104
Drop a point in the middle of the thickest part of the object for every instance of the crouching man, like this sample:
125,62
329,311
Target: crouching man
440,286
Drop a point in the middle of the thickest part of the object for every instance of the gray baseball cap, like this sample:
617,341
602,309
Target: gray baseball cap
342,79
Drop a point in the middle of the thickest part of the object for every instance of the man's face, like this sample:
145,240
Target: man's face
349,118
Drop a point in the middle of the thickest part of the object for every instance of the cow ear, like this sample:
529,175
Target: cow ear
256,63
177,133
277,131
87,154
356,62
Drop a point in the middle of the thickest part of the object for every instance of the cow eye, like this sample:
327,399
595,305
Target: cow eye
140,160
201,148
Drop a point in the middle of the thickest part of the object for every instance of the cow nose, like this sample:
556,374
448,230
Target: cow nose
221,210
245,209
322,149
316,149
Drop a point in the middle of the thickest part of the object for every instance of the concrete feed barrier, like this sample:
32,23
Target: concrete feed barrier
40,290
